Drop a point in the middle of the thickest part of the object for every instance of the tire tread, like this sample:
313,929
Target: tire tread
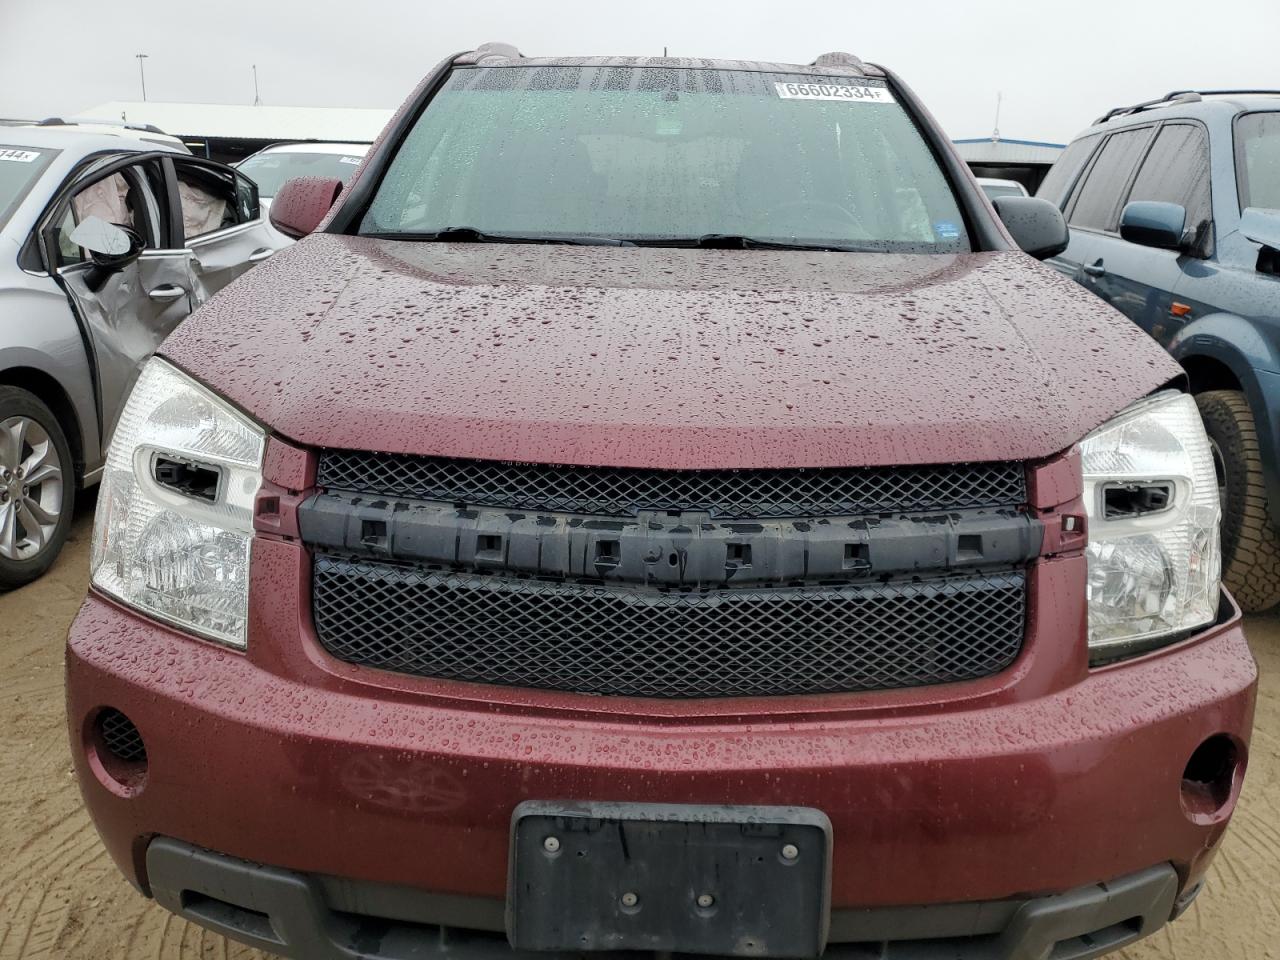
1250,541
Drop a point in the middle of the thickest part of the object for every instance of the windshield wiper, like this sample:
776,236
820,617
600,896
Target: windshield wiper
735,241
708,241
472,235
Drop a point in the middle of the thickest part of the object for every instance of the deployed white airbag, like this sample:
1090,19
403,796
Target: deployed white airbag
202,212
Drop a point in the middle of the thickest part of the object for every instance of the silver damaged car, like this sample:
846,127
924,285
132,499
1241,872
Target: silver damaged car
106,244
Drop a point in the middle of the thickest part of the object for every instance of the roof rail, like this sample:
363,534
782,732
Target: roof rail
1238,93
59,122
1176,96
488,52
1179,96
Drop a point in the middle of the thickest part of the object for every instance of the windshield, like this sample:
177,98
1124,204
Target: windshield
20,167
647,154
1258,160
270,169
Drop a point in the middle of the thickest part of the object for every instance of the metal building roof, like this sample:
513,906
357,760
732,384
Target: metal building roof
223,121
1013,152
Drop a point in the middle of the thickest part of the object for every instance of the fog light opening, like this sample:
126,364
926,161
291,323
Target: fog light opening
1210,780
117,752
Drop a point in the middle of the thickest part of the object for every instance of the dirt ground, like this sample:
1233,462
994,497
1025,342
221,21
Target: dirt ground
61,897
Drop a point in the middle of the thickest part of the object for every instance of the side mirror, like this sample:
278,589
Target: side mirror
110,246
1036,225
302,203
1261,226
1153,223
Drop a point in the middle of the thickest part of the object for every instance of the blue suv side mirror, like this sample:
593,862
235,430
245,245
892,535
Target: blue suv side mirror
1153,223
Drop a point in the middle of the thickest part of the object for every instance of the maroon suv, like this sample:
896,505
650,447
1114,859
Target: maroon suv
660,508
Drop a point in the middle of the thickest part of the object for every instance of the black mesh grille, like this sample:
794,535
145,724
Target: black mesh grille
589,639
120,737
615,491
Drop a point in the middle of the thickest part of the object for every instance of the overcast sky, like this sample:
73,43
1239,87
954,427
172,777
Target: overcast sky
1058,64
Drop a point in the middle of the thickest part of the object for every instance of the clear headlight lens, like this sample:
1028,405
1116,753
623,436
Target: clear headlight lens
1152,496
181,557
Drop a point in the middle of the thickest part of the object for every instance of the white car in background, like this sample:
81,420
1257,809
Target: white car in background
1001,188
272,166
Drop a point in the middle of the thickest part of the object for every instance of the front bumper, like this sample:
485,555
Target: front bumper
1046,780
309,917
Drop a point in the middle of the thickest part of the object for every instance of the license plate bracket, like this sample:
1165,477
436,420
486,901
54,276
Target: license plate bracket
631,876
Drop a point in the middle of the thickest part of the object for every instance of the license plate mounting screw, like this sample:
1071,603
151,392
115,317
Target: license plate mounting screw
790,851
551,844
630,899
706,900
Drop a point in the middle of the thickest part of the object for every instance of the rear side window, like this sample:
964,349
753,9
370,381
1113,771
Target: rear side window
1177,171
1097,204
1258,160
213,198
1063,173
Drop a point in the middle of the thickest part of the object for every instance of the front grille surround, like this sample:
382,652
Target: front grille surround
610,641
621,491
519,591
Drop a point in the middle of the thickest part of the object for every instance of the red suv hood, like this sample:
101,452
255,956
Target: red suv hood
629,356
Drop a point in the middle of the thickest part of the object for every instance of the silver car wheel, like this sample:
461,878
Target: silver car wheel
31,478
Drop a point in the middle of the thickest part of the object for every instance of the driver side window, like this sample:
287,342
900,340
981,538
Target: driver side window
119,199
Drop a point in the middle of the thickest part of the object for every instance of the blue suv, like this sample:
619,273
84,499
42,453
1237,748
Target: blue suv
1174,209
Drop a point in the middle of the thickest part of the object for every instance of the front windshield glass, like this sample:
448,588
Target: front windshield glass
20,167
271,169
1258,147
649,154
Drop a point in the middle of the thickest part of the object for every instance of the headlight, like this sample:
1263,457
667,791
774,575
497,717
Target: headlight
175,513
1152,497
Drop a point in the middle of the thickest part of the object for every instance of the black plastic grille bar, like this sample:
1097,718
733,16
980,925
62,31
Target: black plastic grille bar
617,491
642,643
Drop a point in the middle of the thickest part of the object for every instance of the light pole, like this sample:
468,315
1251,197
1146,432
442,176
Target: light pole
143,74
257,100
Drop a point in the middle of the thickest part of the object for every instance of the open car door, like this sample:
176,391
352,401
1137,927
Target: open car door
221,221
124,311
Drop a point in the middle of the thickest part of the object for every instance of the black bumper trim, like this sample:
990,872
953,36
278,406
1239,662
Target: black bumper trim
713,553
308,917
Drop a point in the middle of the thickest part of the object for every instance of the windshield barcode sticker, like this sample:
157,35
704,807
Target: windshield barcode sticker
850,93
354,161
18,156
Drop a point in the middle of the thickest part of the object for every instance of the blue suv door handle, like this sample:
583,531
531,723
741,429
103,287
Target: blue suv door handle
1095,269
